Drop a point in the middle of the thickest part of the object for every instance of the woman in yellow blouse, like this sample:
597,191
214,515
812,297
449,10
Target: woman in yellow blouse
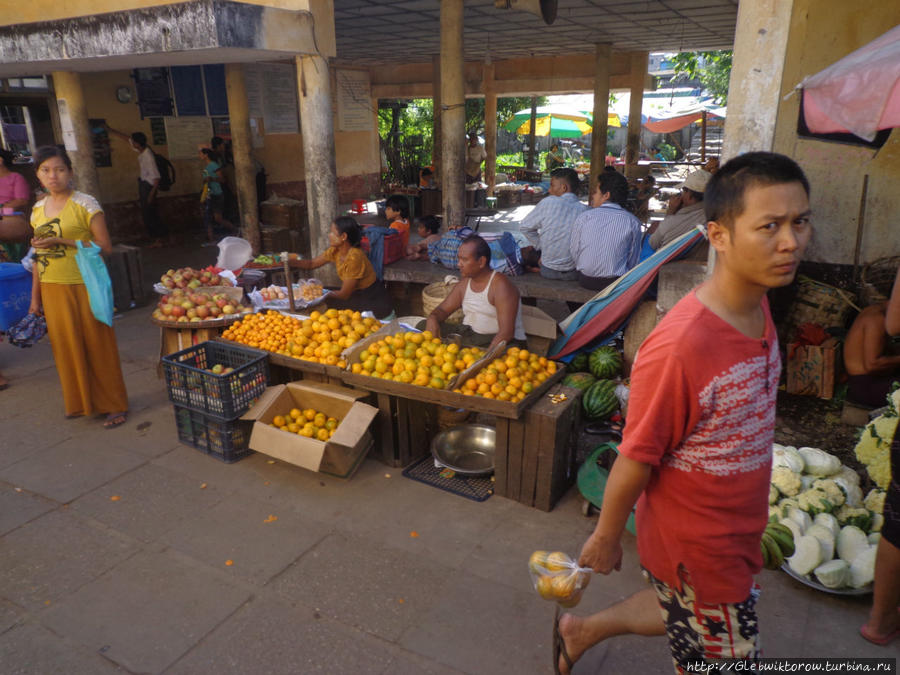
85,350
360,289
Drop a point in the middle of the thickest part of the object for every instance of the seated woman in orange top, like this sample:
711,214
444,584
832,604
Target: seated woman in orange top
360,290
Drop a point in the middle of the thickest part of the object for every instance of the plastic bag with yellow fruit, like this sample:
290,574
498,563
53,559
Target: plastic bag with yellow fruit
557,577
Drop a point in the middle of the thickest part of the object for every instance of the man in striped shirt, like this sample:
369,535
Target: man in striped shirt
549,225
606,240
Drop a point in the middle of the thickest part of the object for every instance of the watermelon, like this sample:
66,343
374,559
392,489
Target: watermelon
599,401
579,380
579,364
605,362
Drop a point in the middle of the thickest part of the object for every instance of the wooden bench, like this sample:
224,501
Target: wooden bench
530,285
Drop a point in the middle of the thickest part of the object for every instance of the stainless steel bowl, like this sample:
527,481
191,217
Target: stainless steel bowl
468,449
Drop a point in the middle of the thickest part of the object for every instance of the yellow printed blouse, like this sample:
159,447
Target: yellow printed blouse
354,265
56,265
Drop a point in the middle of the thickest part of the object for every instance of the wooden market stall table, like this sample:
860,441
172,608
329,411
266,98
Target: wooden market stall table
530,285
535,451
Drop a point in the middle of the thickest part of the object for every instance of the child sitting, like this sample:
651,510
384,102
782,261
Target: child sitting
428,228
396,210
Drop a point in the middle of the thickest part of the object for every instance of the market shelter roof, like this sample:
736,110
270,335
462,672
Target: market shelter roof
403,31
187,33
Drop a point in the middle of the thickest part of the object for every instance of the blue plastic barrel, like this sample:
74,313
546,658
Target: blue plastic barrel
15,293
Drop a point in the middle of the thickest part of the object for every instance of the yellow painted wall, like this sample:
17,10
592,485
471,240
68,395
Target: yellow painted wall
282,154
822,32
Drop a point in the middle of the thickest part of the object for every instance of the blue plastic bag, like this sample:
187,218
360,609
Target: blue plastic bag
96,279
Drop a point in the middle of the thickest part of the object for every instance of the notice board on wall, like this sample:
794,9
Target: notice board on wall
186,134
354,100
279,98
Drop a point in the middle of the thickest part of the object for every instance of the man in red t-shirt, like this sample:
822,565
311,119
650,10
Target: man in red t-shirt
697,449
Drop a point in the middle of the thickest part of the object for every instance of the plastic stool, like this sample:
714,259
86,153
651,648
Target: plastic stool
360,206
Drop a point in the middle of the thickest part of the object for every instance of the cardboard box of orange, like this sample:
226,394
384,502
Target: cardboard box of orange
342,454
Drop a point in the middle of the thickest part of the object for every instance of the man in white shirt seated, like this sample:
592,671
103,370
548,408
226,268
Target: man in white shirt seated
549,225
492,309
606,240
685,212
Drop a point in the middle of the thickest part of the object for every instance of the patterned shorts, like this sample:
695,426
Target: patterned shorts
699,632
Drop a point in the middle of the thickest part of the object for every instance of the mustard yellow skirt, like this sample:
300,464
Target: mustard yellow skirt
85,351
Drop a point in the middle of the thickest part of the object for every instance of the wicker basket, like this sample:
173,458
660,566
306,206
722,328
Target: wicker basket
817,303
877,280
434,294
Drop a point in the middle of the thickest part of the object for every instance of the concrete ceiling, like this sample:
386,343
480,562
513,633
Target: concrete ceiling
394,31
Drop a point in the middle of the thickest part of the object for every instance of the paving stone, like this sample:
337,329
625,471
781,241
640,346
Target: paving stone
68,470
271,637
473,624
363,584
150,500
19,506
31,649
10,615
54,555
148,611
410,663
259,540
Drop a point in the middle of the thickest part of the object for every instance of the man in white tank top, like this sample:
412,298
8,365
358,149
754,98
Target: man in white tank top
492,310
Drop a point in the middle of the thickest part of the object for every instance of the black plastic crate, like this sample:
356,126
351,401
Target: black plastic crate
227,441
225,397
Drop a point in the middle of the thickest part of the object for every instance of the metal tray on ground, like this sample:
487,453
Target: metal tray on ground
812,583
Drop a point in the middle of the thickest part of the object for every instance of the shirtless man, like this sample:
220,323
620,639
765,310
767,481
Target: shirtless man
868,359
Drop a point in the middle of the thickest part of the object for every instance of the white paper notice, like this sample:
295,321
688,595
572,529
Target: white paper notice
186,135
65,123
354,101
280,105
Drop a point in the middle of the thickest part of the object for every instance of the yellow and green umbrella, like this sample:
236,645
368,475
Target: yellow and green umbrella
556,122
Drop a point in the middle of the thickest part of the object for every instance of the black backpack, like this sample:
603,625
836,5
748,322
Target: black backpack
166,172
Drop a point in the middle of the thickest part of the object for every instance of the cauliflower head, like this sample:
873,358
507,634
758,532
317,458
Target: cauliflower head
874,501
815,501
786,481
833,492
852,515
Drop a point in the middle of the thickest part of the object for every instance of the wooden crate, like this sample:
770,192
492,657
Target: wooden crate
299,369
403,429
534,462
451,399
127,275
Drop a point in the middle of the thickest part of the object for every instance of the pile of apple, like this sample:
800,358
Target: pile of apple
188,277
184,306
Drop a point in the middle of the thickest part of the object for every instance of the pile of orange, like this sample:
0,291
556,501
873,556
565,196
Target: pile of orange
309,423
320,338
415,358
511,377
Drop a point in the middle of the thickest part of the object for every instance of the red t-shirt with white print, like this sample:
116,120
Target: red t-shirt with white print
702,412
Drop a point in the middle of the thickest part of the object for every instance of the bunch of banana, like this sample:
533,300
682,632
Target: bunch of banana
777,544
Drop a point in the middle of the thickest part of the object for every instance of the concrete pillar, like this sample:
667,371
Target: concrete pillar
490,128
244,173
76,132
638,77
436,137
453,114
754,93
601,112
317,130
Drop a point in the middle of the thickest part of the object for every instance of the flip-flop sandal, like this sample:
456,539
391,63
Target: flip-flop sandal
116,420
559,646
880,641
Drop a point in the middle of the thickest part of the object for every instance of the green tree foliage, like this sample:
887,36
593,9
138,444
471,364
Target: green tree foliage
713,69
